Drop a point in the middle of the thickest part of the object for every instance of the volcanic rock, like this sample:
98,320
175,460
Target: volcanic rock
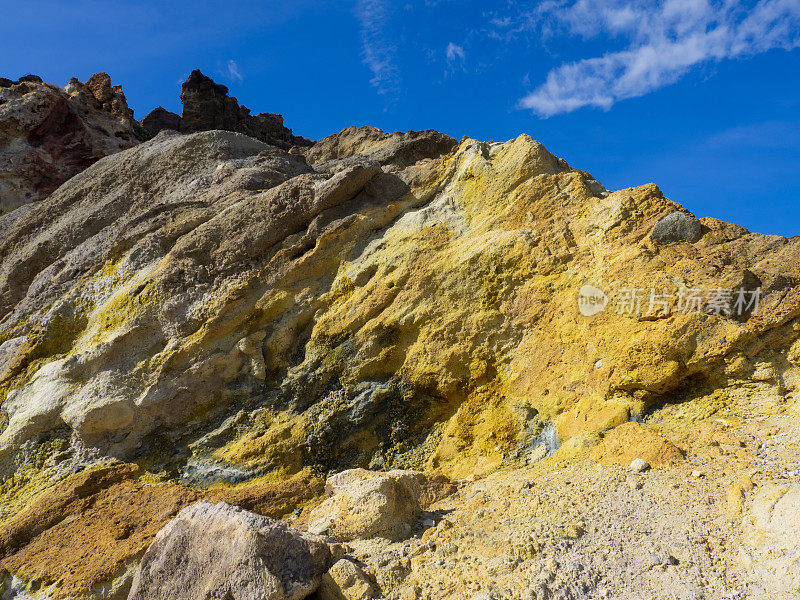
229,314
345,581
207,106
365,505
397,149
160,118
221,552
47,135
677,227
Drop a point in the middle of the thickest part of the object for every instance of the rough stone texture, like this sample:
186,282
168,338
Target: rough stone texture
677,227
89,529
47,135
172,280
189,270
395,149
160,118
365,505
207,106
224,312
771,550
631,442
345,581
221,552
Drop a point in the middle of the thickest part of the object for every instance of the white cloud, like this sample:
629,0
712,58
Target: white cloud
379,52
453,52
665,39
232,71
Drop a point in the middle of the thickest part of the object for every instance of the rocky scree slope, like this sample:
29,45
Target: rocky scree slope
223,315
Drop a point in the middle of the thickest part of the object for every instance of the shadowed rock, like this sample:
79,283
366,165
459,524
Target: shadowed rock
207,106
47,135
221,552
677,227
160,118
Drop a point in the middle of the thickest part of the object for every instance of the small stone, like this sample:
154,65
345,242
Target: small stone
633,483
697,474
639,465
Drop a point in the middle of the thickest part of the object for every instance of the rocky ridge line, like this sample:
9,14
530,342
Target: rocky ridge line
207,106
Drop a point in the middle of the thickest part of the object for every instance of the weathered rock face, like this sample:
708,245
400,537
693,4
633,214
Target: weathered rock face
440,323
47,135
398,150
207,106
221,552
221,311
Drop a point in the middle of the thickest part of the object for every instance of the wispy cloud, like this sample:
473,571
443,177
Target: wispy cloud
232,71
454,52
379,51
664,41
767,135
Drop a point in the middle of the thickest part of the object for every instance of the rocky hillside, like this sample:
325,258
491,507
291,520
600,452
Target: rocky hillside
547,390
49,134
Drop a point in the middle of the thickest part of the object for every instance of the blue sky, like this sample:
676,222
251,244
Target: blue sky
701,97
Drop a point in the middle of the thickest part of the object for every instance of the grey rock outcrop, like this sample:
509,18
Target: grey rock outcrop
221,552
677,227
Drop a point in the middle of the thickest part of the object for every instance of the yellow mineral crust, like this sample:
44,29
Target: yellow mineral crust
392,301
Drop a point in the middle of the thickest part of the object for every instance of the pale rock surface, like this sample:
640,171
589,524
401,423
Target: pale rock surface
365,505
221,552
771,549
345,581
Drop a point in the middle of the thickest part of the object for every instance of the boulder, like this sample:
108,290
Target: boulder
219,551
677,227
365,504
345,581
